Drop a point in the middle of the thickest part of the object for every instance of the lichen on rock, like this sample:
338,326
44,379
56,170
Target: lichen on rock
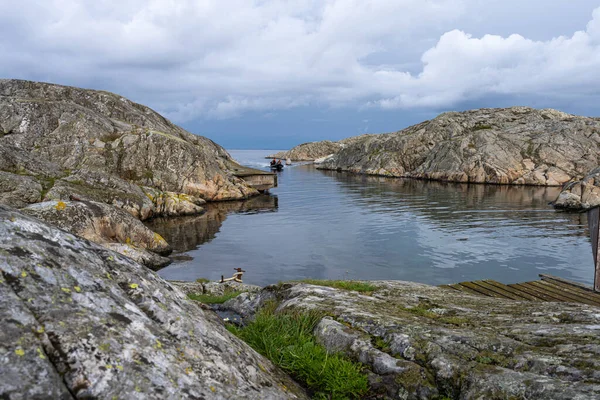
441,342
517,145
80,321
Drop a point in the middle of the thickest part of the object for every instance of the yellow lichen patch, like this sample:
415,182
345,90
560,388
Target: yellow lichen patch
108,366
188,370
158,344
61,205
158,238
23,274
119,367
128,240
20,352
66,290
40,329
77,289
40,353
110,258
134,286
212,389
108,276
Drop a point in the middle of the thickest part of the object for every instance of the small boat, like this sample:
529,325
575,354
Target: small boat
277,167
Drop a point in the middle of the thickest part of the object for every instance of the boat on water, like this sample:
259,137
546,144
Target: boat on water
277,167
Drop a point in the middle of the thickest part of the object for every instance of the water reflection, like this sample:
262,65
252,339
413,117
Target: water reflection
456,206
187,233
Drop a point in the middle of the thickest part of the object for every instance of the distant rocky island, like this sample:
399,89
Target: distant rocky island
514,146
313,151
83,317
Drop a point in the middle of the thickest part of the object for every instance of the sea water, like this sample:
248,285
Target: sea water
329,225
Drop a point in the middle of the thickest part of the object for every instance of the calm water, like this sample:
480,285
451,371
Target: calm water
329,225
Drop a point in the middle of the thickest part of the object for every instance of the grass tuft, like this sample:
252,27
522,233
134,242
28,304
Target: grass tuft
357,286
202,280
214,299
286,339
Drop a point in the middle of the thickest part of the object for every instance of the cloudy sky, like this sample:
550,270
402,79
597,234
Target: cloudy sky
275,73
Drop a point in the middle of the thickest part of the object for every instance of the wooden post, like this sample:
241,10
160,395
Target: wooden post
594,226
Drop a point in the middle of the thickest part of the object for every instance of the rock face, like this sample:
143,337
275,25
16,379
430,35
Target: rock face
80,321
581,195
309,151
112,228
421,341
61,143
316,150
517,145
79,129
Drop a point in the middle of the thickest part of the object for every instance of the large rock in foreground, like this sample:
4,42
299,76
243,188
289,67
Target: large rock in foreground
517,145
80,321
423,342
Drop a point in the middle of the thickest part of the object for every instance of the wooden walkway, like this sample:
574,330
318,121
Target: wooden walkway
549,288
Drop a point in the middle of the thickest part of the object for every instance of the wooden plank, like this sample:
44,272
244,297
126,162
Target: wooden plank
533,292
575,290
512,290
501,292
557,296
482,290
464,289
594,297
562,294
582,297
566,282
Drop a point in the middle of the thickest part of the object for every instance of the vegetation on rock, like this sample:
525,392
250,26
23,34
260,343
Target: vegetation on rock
287,339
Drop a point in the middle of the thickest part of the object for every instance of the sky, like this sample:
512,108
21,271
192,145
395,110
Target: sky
270,74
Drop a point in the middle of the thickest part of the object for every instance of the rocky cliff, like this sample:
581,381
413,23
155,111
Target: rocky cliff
72,130
62,144
425,342
80,321
517,145
314,150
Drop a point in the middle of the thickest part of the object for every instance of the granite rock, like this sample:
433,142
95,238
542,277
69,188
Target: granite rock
517,145
423,341
80,321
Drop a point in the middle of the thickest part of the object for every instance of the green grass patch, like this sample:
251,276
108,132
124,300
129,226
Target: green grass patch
202,280
214,299
363,287
480,127
286,339
381,344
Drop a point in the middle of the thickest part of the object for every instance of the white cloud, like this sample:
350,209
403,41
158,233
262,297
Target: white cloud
217,59
461,67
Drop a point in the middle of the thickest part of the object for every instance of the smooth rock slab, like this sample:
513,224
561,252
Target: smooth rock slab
105,225
82,321
450,343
